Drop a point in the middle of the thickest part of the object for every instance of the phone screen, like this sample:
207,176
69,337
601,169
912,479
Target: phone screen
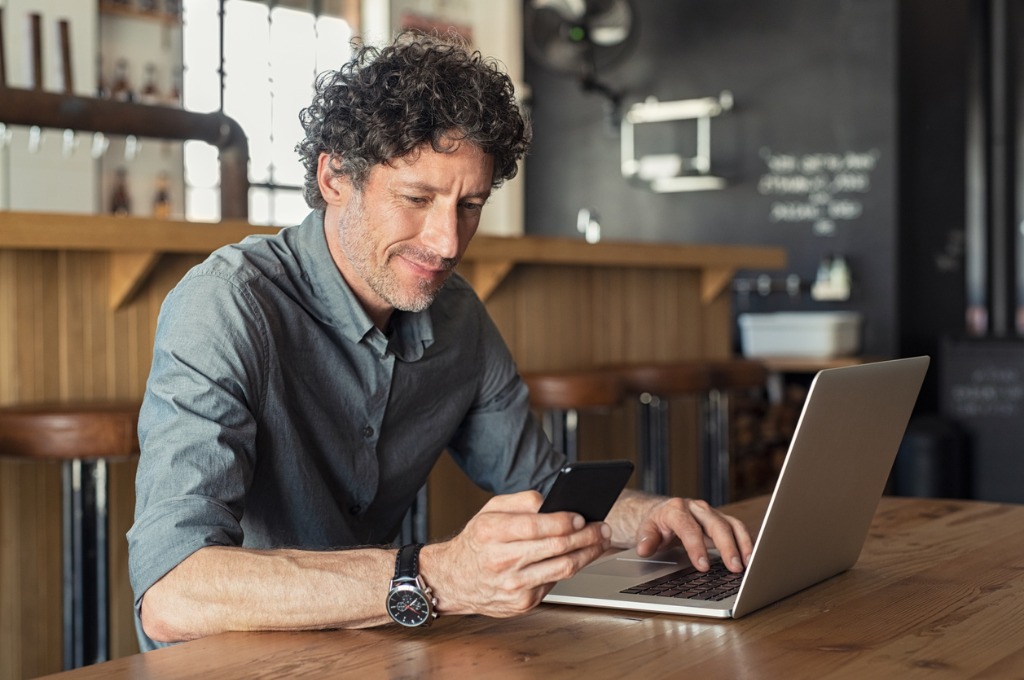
589,488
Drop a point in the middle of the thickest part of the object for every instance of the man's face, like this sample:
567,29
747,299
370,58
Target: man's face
399,239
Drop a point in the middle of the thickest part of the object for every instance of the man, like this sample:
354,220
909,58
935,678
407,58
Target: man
303,385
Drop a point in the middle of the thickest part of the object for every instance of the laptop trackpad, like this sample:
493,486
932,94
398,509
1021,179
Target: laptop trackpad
629,564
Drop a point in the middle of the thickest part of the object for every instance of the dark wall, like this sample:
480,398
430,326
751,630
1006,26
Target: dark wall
814,82
934,58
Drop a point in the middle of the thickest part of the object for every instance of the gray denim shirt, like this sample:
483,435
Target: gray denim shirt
277,415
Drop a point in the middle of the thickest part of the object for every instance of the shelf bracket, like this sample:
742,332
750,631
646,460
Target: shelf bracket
486,275
713,280
128,271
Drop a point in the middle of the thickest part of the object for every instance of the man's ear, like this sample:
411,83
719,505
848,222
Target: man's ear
336,189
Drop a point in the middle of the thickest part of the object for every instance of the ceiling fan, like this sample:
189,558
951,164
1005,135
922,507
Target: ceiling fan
581,38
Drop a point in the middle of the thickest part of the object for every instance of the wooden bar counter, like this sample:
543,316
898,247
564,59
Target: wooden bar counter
79,297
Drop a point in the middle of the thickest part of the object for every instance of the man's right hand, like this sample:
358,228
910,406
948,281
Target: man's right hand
509,556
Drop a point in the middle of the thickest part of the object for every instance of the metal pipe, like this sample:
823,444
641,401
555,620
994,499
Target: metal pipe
37,107
61,111
36,31
3,62
65,56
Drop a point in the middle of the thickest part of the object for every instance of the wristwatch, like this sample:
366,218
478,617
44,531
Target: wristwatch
410,600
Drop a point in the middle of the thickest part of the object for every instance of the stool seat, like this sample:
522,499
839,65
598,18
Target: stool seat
69,431
708,379
573,389
665,379
737,374
560,395
83,437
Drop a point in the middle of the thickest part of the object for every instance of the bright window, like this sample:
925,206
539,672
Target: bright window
256,60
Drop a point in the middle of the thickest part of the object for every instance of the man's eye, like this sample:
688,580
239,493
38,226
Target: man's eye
473,207
416,200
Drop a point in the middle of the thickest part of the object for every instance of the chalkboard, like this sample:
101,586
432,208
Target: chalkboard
982,389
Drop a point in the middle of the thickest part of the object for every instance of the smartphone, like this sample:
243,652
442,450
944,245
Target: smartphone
589,488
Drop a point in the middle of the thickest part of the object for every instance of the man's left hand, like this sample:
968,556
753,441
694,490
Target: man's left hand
697,525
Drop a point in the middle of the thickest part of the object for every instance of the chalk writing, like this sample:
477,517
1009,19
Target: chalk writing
988,391
819,188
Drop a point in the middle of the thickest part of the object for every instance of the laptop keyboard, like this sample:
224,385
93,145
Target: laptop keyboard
716,584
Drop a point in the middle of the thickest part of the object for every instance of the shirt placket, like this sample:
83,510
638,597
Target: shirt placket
379,388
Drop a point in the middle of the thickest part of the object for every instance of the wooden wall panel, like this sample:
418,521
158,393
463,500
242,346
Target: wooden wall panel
8,295
30,578
61,341
122,510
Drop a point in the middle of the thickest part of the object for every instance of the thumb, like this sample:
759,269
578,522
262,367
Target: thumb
648,539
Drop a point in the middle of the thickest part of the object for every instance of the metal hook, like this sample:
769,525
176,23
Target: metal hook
99,145
131,147
70,143
35,139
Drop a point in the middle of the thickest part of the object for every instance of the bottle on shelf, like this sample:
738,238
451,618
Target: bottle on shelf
162,197
172,8
121,89
120,201
150,93
174,92
102,91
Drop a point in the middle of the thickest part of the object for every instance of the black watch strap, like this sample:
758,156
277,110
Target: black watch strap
407,565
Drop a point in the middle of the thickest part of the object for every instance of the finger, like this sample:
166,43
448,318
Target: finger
744,540
650,538
691,533
725,533
563,565
595,536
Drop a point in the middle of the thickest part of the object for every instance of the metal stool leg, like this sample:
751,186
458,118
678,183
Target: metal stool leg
70,481
99,600
84,562
561,427
715,468
652,413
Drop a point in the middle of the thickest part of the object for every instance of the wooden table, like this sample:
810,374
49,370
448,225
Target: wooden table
938,592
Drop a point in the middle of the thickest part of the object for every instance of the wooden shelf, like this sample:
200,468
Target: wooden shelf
132,12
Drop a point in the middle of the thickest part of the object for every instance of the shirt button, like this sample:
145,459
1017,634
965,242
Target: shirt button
355,509
367,431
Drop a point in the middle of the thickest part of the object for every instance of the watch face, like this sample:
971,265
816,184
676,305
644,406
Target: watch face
408,606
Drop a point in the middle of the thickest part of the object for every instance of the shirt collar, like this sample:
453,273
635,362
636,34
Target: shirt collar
411,333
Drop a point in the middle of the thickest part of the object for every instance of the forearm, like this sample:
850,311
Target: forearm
625,516
220,589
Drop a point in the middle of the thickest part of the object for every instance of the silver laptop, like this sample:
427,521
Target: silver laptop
818,517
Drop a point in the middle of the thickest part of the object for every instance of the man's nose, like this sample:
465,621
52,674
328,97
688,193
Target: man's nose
441,232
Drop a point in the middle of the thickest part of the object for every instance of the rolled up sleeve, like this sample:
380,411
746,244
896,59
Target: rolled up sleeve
196,429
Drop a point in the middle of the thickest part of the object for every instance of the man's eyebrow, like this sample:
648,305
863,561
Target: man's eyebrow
430,188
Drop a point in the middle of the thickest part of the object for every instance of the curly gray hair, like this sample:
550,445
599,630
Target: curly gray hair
385,103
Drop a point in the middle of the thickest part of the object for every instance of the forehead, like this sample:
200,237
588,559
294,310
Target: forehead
460,162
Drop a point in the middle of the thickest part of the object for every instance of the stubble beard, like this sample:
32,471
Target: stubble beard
359,245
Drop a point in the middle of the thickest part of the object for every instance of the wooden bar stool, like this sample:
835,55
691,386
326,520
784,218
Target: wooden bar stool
727,376
84,437
560,395
710,380
653,385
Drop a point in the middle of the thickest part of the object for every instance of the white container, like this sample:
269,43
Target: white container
800,334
